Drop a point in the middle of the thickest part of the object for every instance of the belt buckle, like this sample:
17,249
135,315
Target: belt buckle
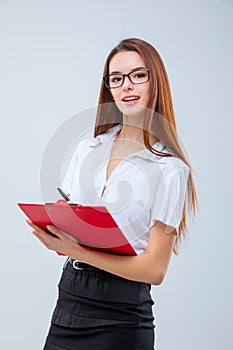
75,265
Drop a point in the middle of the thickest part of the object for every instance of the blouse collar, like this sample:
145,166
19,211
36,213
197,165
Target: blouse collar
111,134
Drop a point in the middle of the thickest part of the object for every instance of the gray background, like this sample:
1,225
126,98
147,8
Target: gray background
51,61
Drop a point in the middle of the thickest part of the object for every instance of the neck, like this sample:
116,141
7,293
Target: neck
132,130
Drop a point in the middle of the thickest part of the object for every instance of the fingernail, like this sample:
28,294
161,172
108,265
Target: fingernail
50,228
28,221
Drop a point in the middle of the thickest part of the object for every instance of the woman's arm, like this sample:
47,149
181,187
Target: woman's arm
149,267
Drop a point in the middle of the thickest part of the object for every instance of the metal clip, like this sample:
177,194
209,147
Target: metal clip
75,265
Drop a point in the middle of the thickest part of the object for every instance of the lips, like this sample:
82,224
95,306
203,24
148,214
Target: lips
130,98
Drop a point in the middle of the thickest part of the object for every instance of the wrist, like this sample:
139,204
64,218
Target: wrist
78,253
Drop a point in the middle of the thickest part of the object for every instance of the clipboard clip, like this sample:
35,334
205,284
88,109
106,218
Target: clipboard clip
63,202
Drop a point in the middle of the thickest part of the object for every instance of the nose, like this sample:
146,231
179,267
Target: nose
127,84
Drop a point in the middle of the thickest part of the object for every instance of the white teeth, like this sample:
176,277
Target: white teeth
130,98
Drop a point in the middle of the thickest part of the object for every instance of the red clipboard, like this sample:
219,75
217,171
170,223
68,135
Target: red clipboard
93,226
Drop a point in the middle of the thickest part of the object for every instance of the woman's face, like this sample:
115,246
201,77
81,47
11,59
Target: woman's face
130,98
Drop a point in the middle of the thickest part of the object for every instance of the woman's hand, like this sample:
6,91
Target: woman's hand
149,267
61,242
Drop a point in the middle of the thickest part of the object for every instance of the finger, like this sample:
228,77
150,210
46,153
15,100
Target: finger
35,233
38,231
50,242
29,222
34,226
55,231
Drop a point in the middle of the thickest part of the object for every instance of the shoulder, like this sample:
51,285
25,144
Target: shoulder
169,164
175,173
176,165
109,135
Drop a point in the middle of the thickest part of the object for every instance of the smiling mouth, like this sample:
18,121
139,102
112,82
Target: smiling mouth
131,98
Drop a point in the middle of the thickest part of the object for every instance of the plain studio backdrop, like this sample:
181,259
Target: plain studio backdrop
51,63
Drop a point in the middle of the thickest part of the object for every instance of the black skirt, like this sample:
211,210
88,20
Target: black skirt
98,310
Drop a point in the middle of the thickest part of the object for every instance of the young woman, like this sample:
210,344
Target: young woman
134,164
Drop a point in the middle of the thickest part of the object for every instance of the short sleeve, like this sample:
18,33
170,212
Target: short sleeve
168,201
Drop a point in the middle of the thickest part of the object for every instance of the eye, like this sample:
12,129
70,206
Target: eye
139,75
115,78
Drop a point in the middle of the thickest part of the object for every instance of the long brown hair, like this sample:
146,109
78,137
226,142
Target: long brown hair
160,120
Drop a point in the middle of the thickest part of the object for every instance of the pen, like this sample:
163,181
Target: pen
63,194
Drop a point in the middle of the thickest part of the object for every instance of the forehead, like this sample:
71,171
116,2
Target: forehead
125,61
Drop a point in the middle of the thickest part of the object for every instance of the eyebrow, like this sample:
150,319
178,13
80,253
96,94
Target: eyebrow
135,69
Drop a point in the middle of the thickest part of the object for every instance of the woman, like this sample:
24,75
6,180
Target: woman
134,164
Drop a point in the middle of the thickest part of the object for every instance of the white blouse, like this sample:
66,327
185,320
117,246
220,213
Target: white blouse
142,189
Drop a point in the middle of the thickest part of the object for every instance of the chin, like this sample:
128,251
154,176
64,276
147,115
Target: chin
130,110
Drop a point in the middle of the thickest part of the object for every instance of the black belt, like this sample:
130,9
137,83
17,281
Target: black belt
82,266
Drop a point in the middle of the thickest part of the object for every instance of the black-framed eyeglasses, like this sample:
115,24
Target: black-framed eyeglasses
137,76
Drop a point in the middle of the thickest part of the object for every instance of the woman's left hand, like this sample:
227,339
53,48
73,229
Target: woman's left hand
61,242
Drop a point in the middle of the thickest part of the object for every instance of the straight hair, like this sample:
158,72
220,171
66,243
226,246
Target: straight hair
159,118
